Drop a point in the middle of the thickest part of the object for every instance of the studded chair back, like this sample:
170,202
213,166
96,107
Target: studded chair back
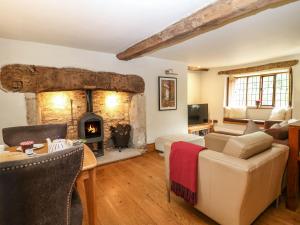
38,190
13,136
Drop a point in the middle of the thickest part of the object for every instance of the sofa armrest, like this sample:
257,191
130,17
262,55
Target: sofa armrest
269,123
216,141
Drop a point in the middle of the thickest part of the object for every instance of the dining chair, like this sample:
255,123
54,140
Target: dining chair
13,136
39,190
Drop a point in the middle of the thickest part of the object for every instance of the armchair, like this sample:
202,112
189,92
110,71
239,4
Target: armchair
234,191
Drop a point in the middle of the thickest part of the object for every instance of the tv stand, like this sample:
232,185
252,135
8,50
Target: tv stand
200,129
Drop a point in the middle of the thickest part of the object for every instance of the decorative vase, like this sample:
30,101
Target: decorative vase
257,102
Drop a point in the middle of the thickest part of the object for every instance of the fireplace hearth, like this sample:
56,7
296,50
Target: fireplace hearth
90,127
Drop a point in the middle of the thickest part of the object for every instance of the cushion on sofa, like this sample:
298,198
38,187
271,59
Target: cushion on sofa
290,121
284,123
280,133
251,127
227,112
278,114
238,113
275,126
281,124
288,114
216,141
248,145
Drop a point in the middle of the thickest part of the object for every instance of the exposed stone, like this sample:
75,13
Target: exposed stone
43,85
32,109
128,104
137,116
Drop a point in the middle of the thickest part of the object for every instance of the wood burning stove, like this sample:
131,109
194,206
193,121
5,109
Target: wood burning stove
90,127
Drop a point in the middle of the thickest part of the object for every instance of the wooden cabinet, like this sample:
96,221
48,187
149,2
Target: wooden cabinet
200,129
293,167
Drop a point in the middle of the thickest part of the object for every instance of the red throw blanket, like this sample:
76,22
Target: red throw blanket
184,170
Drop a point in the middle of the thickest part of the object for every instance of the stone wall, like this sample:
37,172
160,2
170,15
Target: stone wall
55,107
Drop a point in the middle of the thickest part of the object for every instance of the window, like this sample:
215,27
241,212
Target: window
282,90
239,91
267,91
271,89
253,90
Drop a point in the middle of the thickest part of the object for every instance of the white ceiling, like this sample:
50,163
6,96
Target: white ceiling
100,25
114,25
269,34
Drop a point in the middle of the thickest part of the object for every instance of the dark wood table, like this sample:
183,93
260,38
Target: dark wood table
86,181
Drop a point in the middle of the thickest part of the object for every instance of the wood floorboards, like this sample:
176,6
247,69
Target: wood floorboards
133,192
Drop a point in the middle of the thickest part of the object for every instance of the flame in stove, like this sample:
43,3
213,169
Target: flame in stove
91,129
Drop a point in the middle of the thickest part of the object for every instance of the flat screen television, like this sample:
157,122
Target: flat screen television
197,113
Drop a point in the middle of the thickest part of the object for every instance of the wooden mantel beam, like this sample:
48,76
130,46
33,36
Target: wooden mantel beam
211,17
269,66
35,79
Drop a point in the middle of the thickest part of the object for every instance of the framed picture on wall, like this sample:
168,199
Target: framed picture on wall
167,93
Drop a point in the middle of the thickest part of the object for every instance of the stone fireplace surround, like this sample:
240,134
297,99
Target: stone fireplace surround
41,98
41,107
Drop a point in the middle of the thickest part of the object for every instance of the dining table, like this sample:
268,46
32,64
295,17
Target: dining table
85,182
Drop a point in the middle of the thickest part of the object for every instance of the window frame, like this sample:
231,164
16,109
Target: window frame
290,87
260,80
262,88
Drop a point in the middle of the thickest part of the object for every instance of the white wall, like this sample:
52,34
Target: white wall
158,123
212,89
193,81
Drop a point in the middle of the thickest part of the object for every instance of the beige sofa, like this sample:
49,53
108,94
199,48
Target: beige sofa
235,191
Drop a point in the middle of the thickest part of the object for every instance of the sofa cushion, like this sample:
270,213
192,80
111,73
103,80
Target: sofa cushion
288,114
290,121
248,145
280,133
279,124
284,123
238,113
251,127
216,141
275,126
227,112
278,114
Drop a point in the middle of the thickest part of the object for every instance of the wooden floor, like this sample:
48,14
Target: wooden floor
132,192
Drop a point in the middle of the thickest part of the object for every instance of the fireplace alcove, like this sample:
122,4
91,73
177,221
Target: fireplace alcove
41,84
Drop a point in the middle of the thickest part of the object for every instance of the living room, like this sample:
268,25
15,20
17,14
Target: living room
95,102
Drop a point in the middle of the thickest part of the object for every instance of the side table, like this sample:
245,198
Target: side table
293,167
